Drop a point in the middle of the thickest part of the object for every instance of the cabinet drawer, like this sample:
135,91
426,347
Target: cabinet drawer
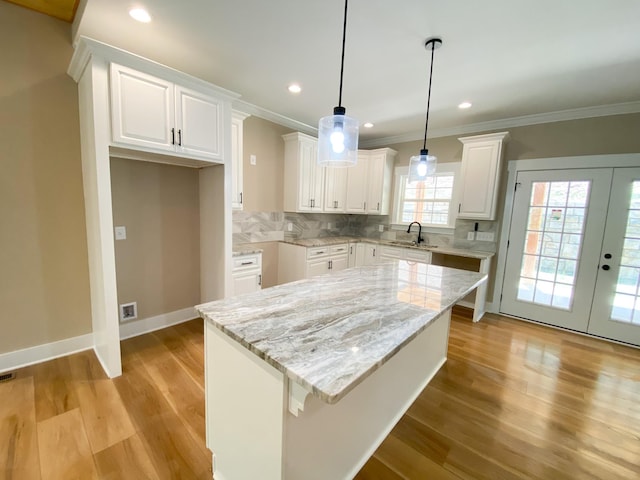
244,262
316,252
391,252
343,248
418,256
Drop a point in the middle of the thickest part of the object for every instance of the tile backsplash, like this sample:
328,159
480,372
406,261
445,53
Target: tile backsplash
254,227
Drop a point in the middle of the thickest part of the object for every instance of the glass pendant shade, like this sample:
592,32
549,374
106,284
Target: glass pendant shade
421,166
338,140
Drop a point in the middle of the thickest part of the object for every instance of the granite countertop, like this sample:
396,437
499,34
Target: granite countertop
324,241
330,332
245,250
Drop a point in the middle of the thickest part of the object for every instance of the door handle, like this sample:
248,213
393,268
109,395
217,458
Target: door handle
606,267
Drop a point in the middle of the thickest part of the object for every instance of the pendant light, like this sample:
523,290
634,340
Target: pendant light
337,133
423,165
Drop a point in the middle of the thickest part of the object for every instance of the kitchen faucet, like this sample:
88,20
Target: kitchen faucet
420,239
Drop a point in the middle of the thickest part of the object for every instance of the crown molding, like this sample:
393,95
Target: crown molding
250,109
550,117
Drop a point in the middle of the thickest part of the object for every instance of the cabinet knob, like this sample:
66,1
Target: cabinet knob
607,256
606,267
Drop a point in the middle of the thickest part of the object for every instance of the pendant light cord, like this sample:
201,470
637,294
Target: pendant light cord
344,37
424,145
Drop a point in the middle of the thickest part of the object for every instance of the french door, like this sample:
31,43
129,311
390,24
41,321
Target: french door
573,256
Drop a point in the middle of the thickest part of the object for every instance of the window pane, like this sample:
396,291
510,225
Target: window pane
427,202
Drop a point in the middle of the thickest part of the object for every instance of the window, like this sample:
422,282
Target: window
432,202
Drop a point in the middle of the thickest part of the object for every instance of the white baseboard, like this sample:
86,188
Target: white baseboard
150,324
42,353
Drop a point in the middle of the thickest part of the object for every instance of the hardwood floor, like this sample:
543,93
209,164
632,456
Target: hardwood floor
514,400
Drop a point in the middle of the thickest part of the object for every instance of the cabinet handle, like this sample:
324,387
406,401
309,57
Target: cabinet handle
311,202
179,138
240,197
350,250
459,206
374,252
335,204
260,279
247,263
365,206
378,206
330,264
173,136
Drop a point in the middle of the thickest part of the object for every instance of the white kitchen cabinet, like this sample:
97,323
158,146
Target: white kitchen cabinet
237,159
370,253
369,182
327,259
247,273
399,253
480,175
156,115
303,178
335,189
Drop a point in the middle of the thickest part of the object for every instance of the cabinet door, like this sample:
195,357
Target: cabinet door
353,249
199,124
317,267
236,160
339,262
246,282
413,255
335,191
376,184
310,179
142,110
370,254
357,185
479,175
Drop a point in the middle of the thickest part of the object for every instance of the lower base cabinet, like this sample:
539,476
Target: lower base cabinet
247,273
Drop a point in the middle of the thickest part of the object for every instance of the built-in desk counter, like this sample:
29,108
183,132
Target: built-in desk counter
305,380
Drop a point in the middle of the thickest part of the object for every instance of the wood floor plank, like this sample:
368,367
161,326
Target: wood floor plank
126,459
376,470
409,463
53,383
105,416
19,455
182,393
65,453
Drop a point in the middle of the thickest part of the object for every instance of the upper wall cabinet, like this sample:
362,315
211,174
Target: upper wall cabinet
303,178
480,175
156,115
369,182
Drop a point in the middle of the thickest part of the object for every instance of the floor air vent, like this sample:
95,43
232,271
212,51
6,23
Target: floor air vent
5,377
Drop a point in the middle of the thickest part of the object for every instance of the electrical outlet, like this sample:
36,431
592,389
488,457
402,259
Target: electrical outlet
121,233
128,311
289,227
485,236
471,236
252,159
381,228
329,225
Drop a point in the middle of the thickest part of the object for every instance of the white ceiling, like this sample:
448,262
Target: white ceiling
511,58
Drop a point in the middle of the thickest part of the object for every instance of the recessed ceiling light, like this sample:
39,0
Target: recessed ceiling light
295,88
368,125
140,14
464,105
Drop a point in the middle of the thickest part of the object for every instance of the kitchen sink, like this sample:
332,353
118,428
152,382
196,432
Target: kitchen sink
406,243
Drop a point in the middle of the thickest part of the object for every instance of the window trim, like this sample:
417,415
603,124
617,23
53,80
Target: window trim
441,169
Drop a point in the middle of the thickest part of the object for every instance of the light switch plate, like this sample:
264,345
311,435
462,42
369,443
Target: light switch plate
121,233
252,159
381,228
471,236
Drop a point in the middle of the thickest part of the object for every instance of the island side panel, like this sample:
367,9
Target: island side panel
245,410
335,441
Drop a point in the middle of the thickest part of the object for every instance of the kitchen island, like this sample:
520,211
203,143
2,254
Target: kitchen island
305,380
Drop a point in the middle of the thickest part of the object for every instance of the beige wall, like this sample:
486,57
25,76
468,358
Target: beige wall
158,265
44,278
263,182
